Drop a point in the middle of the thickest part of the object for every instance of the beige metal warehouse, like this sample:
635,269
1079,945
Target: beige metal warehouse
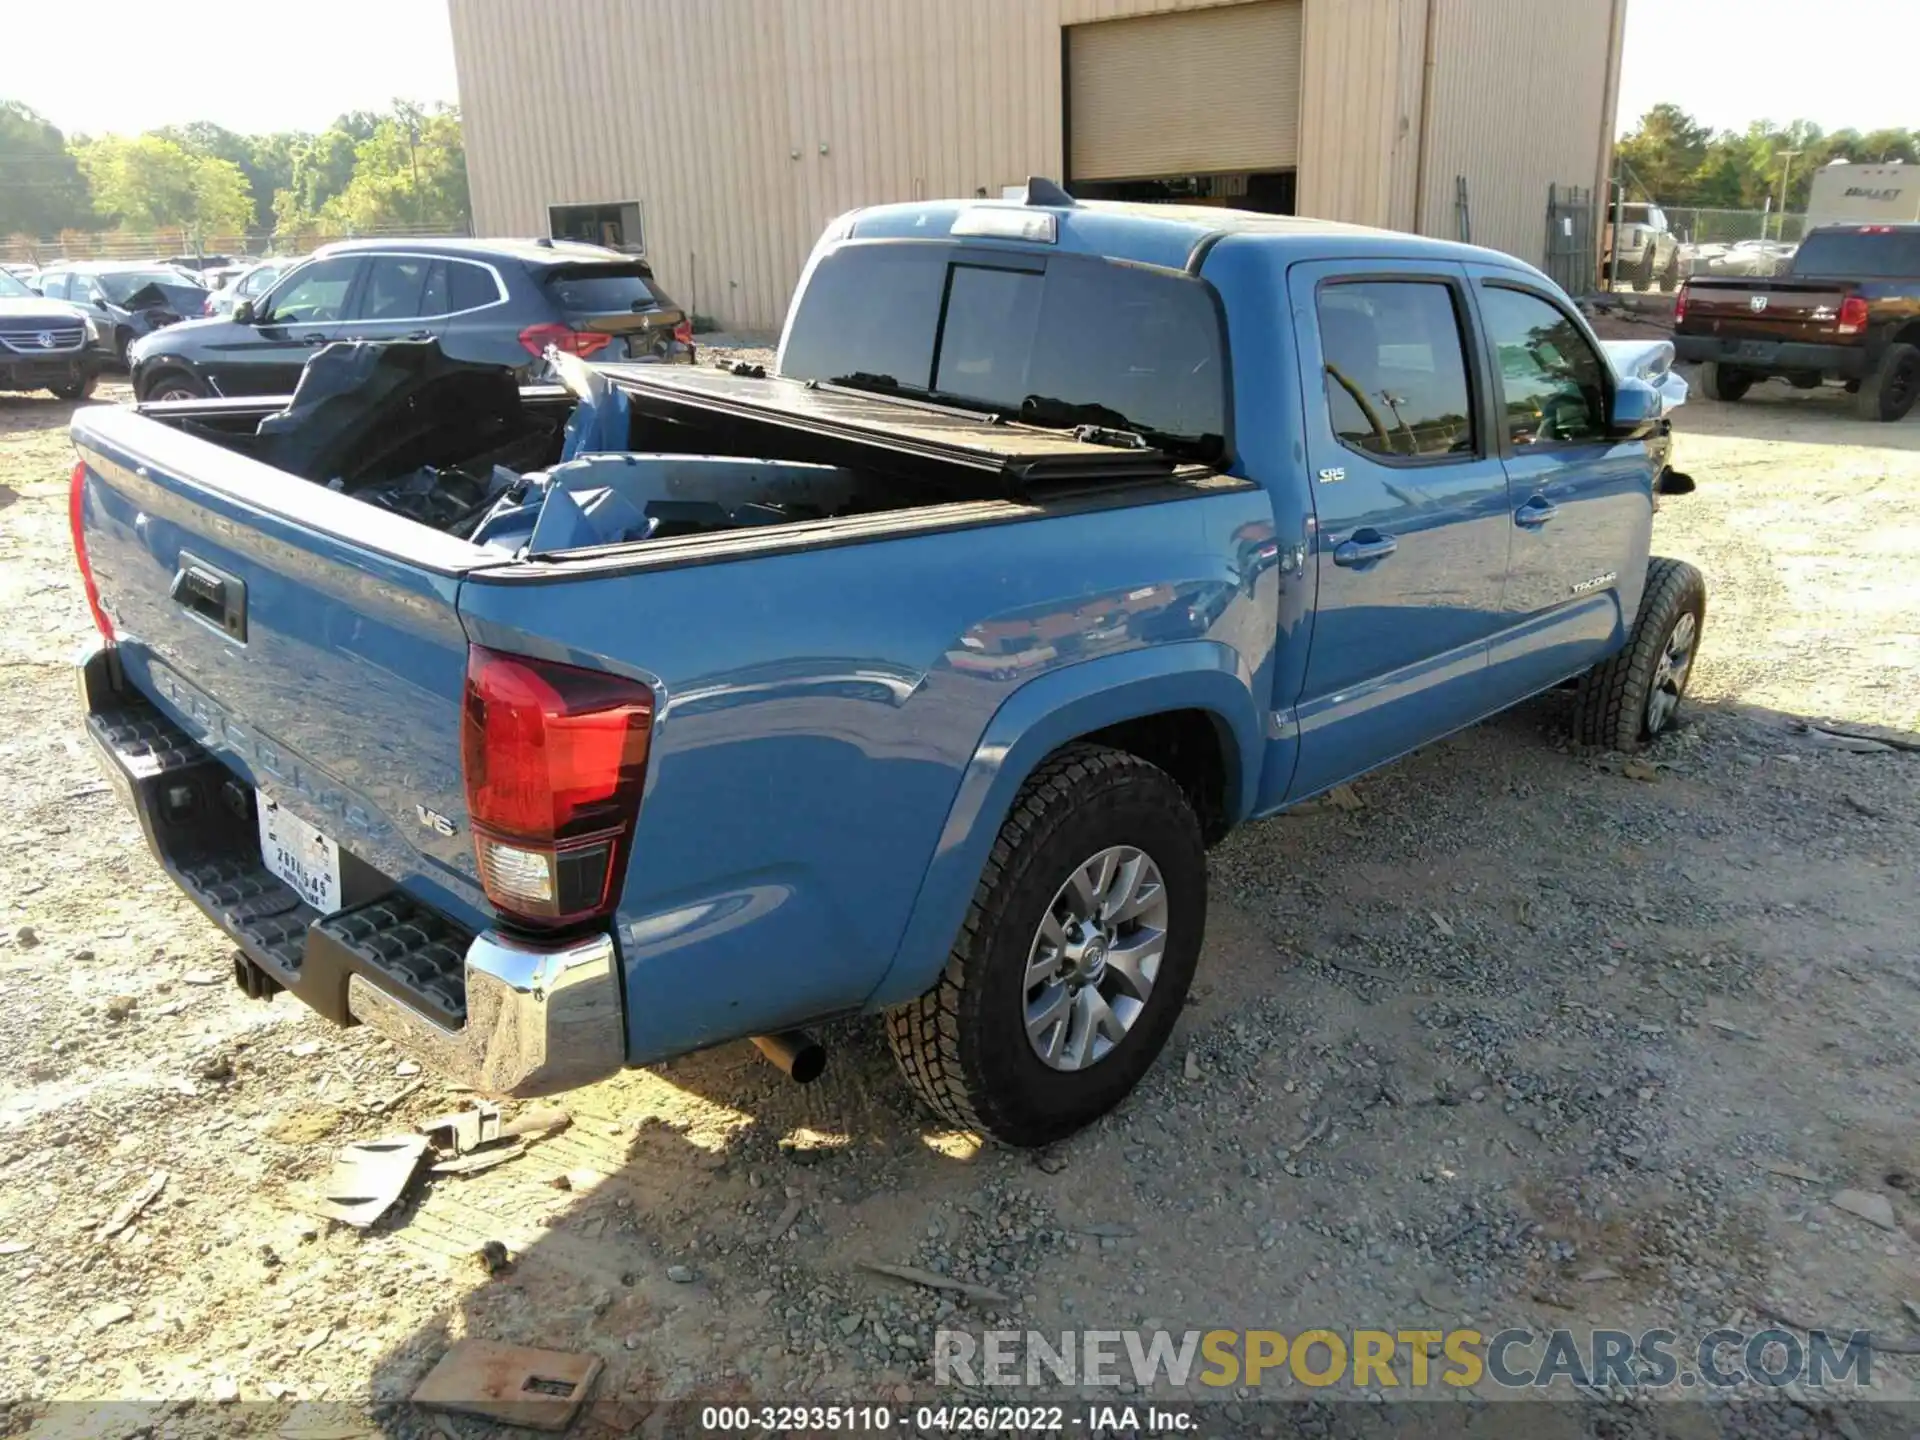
722,135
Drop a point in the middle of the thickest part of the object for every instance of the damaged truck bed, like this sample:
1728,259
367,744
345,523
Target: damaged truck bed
627,454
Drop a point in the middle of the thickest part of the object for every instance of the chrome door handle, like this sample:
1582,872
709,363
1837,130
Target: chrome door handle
1536,512
1365,547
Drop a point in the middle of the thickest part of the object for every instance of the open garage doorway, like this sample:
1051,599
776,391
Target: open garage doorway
1270,191
1197,107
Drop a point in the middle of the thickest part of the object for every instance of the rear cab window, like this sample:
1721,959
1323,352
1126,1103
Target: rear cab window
1057,340
1863,254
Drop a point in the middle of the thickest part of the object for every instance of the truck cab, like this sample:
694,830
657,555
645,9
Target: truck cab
912,679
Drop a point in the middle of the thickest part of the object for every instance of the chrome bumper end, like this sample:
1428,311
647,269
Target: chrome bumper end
538,1021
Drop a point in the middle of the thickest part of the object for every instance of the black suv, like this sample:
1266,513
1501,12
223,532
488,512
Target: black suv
498,302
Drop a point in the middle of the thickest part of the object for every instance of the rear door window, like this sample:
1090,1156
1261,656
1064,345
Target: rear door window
1396,369
1057,340
395,288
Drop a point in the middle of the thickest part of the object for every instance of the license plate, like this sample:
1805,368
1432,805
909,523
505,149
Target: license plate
305,858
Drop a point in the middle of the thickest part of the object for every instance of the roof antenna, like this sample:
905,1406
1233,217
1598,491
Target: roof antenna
1042,191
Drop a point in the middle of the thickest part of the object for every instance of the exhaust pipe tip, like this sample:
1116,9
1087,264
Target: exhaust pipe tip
797,1054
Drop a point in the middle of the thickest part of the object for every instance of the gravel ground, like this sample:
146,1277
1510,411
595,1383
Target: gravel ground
1509,1035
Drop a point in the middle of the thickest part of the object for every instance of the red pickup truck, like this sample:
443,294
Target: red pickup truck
1847,309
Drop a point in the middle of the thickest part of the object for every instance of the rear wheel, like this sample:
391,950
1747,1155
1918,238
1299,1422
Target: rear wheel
1624,702
74,389
1889,392
174,385
1670,277
1075,956
122,339
1723,382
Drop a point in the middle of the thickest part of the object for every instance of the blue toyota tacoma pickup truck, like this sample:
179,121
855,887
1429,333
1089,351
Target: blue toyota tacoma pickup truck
556,730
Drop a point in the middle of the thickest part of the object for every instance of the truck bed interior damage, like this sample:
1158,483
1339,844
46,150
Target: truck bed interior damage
621,454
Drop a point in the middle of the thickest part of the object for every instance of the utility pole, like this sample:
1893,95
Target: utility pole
1785,171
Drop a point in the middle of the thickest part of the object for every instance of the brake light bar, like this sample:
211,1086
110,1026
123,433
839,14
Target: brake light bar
555,759
77,517
585,343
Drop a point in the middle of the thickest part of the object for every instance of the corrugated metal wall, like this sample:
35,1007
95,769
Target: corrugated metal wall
1520,98
712,114
1356,124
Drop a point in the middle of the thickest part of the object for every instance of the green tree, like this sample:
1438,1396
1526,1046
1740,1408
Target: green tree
42,191
265,160
1663,152
412,170
152,183
319,168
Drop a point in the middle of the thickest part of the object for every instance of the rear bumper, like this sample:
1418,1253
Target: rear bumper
1774,356
492,1012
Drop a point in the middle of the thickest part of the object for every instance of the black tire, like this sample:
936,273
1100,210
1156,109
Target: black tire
122,339
1670,277
1614,704
1805,380
80,389
1643,272
1890,391
1723,382
173,385
963,1046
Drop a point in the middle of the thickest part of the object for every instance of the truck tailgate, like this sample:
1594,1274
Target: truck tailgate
308,641
1783,310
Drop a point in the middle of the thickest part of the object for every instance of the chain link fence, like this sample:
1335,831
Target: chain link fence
1694,225
158,244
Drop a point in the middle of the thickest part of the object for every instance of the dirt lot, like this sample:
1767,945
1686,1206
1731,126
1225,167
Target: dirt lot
1517,1036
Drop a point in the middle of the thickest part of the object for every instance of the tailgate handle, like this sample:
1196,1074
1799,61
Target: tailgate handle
212,596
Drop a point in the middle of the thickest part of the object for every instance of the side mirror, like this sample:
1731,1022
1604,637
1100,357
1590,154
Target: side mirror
1637,408
243,312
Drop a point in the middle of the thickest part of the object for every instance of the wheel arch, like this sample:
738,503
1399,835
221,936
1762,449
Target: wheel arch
1189,708
162,365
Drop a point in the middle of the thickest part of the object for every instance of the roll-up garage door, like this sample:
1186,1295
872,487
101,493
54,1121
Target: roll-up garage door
1191,93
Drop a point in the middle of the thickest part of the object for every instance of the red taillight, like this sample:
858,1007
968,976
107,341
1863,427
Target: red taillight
536,338
1680,305
555,759
683,332
1853,315
77,515
206,306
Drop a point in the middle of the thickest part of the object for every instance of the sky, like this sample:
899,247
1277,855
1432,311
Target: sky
266,65
1835,62
1843,64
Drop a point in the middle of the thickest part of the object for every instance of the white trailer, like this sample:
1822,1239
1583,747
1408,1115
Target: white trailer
1865,195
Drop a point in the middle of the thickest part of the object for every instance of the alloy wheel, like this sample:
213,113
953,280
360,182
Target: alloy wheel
1670,675
1094,958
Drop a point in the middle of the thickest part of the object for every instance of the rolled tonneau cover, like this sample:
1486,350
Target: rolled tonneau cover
831,424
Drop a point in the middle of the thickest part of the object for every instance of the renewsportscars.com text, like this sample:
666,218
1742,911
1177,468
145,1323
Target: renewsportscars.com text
1404,1360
